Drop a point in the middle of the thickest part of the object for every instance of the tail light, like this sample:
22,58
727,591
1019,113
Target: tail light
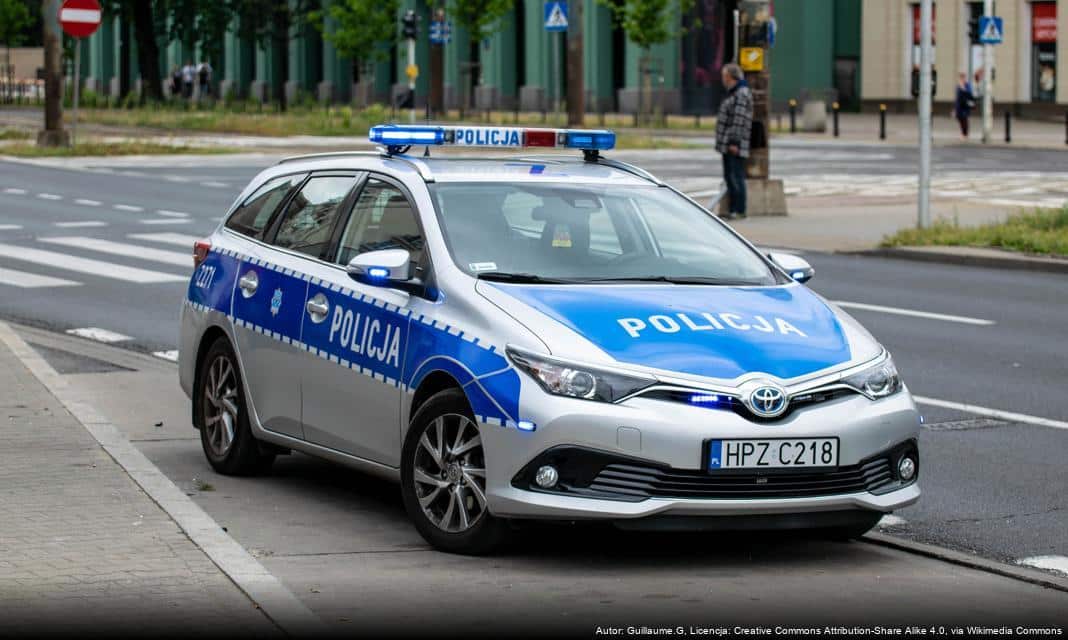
200,252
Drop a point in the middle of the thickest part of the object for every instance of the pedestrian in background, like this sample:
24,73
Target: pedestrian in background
176,82
963,104
189,72
734,125
204,79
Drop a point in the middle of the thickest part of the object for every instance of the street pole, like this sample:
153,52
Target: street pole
924,195
556,76
77,82
576,83
737,19
53,134
411,78
988,79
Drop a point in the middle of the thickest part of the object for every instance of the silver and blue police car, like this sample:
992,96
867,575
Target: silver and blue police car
535,337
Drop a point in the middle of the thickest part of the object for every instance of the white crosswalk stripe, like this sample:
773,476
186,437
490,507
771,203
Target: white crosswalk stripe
100,268
166,221
123,249
177,239
26,280
79,224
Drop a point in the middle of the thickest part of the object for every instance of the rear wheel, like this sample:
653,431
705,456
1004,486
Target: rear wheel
223,419
443,478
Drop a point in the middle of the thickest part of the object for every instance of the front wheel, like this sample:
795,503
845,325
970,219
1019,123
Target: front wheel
222,415
443,478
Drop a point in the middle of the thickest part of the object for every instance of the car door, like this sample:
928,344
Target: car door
272,285
352,390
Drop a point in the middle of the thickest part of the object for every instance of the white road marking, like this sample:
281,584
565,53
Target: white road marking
212,183
15,192
78,224
167,355
172,214
129,207
176,179
98,334
166,221
992,413
123,249
912,312
177,239
10,227
891,520
32,280
67,262
49,196
1049,563
87,203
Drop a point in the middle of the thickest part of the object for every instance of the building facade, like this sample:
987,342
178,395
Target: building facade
1030,66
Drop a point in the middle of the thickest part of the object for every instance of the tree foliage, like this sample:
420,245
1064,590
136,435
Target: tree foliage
14,20
479,18
649,22
363,31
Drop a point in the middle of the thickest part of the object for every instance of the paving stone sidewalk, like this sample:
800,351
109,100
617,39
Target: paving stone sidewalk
82,549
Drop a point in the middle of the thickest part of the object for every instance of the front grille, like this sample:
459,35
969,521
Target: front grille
637,482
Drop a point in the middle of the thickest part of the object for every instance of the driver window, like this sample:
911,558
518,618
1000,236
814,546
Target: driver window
382,219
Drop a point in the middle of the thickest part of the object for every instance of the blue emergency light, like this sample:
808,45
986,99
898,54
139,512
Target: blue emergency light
396,137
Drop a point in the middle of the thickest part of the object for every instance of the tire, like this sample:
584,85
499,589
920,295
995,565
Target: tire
444,492
222,415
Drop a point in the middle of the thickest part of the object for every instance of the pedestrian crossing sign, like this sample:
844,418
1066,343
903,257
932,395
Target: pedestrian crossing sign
990,30
556,15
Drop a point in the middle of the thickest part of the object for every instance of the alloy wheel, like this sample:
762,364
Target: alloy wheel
450,473
220,405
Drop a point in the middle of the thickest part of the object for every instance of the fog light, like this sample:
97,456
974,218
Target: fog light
546,477
906,468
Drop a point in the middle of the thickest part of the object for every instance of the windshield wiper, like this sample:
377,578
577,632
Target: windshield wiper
679,280
521,278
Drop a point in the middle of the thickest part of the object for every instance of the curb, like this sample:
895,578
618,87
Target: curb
1031,576
1014,262
265,591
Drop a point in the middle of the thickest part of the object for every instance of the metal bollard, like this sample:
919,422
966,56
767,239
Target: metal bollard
793,115
834,115
882,122
1008,126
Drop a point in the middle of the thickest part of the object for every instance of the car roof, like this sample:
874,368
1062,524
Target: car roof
501,168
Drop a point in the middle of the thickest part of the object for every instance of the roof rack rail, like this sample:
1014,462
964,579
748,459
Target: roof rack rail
380,152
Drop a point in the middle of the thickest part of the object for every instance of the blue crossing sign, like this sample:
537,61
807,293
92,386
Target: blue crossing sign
991,29
556,15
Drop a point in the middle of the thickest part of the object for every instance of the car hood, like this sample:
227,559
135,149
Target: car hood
706,331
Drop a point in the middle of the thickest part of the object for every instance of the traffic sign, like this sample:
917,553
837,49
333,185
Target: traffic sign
990,30
751,58
79,18
440,32
556,15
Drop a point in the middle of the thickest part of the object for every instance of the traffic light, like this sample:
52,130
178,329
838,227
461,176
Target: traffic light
973,31
408,26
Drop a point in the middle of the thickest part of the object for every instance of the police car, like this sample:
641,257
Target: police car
535,337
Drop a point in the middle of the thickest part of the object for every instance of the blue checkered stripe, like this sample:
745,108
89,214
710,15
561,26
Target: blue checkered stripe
368,335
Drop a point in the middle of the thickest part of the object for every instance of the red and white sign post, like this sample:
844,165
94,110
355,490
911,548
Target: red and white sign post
79,19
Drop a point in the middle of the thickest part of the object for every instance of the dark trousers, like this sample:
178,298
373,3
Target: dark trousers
963,121
734,175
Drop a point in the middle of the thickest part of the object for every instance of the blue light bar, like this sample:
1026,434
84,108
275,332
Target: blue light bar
405,135
594,140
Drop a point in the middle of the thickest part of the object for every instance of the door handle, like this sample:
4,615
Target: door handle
318,307
249,283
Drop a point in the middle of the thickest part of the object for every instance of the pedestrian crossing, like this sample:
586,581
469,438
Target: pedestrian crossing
72,260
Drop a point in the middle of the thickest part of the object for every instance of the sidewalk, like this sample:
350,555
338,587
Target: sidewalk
82,548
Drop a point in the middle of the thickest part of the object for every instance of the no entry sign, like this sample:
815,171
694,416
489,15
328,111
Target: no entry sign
79,18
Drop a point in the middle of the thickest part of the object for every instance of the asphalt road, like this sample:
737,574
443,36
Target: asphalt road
109,249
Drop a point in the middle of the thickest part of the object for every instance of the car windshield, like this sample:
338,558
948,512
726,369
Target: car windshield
561,233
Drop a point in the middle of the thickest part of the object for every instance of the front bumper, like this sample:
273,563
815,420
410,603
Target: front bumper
671,436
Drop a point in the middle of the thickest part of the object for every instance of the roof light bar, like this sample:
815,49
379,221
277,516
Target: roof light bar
395,137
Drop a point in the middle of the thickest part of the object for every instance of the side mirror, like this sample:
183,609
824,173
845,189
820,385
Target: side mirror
795,266
391,268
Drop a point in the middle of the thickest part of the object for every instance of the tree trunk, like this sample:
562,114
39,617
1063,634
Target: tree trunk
280,38
147,52
576,82
53,134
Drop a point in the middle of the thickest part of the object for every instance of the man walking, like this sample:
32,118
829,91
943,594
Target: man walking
734,125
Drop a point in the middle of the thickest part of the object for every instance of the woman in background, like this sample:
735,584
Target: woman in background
963,104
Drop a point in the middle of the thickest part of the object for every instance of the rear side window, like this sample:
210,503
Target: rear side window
253,217
309,219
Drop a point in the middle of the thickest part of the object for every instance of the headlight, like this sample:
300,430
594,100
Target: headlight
562,378
878,381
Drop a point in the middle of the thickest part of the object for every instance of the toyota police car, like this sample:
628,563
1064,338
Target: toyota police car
554,337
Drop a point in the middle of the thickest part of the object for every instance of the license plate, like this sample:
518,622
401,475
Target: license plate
772,453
